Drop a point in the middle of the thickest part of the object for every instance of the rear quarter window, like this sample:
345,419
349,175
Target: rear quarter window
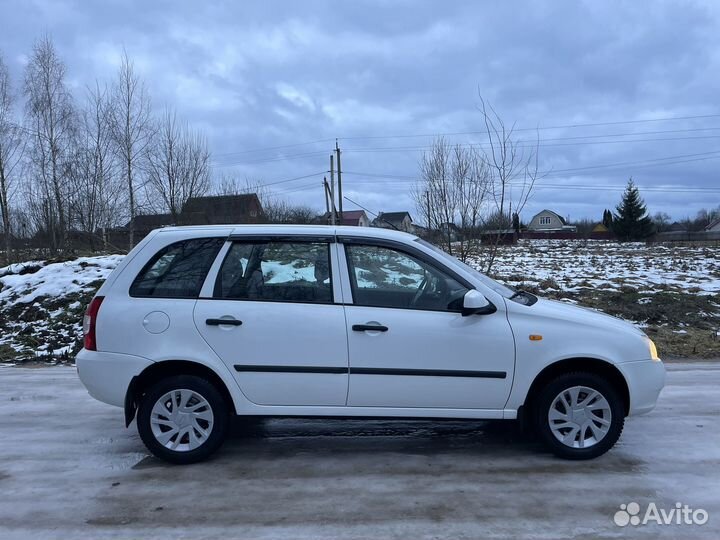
177,270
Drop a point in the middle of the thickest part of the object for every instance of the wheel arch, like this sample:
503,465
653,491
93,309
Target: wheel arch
592,365
158,370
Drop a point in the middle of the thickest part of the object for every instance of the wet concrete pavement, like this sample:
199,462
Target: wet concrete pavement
69,469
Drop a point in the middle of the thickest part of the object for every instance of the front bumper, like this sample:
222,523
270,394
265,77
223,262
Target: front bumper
107,375
645,379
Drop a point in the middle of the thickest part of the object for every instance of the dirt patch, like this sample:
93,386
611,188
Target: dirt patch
683,325
49,329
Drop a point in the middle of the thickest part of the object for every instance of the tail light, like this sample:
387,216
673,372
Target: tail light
90,322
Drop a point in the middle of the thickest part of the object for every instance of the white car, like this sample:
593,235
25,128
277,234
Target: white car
201,323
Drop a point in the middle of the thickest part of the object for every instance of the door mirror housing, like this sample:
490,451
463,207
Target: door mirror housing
475,303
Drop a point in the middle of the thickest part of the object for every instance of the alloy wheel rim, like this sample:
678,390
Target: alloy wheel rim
181,420
579,417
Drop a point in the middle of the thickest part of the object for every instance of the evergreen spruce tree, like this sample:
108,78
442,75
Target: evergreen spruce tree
607,219
630,221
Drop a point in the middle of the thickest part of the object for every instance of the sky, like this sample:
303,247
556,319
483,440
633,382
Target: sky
612,89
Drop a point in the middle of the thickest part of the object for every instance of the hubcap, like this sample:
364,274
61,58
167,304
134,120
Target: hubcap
579,417
181,420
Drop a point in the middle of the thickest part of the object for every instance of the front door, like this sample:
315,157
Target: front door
409,344
273,320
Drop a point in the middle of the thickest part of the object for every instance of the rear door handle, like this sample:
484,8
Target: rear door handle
370,327
218,322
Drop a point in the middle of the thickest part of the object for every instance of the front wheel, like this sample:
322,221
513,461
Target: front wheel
579,415
182,419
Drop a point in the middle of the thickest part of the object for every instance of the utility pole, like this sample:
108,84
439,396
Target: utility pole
326,190
339,171
332,190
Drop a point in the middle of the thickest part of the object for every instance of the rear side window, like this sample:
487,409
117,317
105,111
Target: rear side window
177,270
276,272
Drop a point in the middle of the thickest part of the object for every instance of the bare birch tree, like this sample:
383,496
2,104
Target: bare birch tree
451,194
131,129
97,193
11,151
50,111
513,165
464,189
178,163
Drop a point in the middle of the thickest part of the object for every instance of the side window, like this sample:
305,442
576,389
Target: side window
384,277
276,272
177,270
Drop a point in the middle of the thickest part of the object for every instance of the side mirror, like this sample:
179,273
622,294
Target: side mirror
475,303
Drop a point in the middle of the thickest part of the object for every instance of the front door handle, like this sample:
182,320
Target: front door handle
370,327
218,322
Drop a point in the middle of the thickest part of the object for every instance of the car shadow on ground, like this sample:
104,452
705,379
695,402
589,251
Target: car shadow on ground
283,438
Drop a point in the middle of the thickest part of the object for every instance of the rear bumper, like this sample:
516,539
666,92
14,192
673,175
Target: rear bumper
107,375
645,378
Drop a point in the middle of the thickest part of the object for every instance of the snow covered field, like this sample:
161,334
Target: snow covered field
41,304
576,264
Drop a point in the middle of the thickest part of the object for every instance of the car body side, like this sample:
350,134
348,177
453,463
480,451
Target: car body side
562,334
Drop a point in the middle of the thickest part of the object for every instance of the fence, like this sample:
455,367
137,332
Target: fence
687,236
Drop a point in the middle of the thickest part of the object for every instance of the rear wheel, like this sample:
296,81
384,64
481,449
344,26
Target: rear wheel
183,419
579,415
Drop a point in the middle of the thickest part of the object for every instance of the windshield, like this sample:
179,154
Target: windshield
504,290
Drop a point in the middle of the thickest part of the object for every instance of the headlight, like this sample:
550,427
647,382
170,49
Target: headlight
653,350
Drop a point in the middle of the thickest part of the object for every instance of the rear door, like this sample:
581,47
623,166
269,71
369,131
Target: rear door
271,315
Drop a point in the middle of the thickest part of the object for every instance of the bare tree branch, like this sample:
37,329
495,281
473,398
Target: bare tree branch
131,126
50,109
178,163
12,148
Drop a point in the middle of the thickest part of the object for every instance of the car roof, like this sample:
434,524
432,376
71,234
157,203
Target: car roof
310,230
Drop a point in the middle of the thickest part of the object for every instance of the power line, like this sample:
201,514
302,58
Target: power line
670,160
578,140
270,160
650,189
280,147
570,187
539,128
392,149
303,187
239,153
377,216
707,155
541,143
286,180
618,187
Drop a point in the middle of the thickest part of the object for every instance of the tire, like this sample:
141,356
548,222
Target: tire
183,419
587,430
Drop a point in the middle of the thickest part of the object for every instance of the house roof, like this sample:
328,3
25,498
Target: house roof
395,218
350,217
676,226
562,219
222,209
150,221
353,214
713,224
